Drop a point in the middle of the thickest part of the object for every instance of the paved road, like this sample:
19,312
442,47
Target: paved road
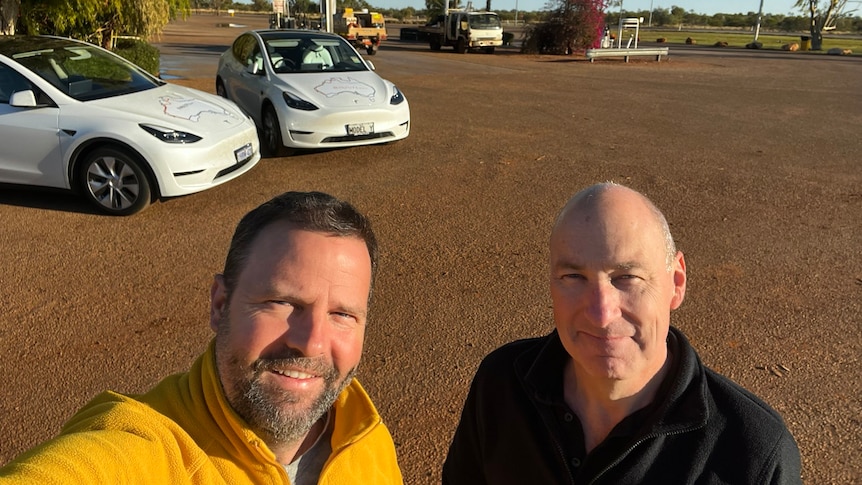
754,159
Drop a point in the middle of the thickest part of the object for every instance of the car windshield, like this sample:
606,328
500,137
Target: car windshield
485,21
85,72
310,53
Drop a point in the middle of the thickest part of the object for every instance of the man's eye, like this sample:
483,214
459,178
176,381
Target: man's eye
344,320
344,316
626,279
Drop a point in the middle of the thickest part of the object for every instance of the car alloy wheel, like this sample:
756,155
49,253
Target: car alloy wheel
115,182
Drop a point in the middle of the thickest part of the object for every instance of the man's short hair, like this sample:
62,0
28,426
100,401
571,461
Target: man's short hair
307,211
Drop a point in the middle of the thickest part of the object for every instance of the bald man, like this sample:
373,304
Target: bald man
614,394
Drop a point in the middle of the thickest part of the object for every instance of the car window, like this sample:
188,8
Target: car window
242,48
309,52
11,82
254,59
285,55
330,54
85,72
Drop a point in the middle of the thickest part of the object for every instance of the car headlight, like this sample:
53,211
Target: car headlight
169,135
397,97
297,103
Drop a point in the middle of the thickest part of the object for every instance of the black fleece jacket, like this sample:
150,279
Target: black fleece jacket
702,428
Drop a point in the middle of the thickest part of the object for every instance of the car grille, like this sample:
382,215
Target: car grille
370,136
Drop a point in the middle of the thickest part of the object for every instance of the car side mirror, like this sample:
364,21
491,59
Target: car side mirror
23,99
369,64
256,67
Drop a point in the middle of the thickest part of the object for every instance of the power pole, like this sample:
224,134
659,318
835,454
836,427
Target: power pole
759,15
650,14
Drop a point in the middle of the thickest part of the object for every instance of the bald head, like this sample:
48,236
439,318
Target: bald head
615,277
599,207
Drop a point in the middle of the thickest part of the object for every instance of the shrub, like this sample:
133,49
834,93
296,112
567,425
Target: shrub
573,25
139,52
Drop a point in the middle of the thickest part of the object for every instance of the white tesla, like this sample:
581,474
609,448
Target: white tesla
309,89
76,116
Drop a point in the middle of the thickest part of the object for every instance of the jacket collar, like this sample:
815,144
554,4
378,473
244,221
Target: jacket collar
355,414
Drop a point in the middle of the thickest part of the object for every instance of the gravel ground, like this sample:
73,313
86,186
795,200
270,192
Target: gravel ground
754,157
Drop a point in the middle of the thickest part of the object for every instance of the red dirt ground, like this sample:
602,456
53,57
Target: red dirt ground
754,157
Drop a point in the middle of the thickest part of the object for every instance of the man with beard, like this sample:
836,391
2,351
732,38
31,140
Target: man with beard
273,399
614,395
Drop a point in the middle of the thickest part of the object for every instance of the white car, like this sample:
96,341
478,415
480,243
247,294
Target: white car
76,116
307,89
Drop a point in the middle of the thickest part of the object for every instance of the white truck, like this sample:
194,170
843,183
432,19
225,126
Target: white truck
464,30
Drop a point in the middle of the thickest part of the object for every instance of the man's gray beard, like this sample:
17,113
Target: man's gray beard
265,409
262,408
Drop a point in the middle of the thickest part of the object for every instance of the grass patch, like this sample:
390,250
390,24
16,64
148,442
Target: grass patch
740,39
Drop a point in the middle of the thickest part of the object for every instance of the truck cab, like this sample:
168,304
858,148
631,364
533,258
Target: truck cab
465,30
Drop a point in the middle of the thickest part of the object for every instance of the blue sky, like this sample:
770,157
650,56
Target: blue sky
708,7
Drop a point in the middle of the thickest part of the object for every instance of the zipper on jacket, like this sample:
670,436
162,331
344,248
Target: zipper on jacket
635,445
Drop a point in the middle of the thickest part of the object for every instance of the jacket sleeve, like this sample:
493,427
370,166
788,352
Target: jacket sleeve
463,463
92,457
786,467
109,441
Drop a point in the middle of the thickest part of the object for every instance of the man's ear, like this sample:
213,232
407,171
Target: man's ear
218,301
679,280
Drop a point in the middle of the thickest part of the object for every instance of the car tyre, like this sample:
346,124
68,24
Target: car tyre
114,181
271,144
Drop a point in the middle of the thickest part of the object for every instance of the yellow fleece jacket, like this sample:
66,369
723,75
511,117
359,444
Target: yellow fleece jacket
184,432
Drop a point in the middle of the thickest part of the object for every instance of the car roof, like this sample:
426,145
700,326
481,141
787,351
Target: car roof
14,44
268,34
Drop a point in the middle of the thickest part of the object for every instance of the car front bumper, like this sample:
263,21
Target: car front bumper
308,130
191,168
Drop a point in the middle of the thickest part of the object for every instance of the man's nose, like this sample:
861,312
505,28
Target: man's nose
603,305
307,332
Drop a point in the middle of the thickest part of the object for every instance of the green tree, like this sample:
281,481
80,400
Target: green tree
822,16
261,6
356,5
8,14
303,7
97,21
676,15
433,8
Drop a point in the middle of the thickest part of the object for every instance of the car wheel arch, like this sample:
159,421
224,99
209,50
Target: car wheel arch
81,152
280,150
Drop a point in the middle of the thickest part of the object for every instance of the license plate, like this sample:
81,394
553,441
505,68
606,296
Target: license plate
244,153
357,129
